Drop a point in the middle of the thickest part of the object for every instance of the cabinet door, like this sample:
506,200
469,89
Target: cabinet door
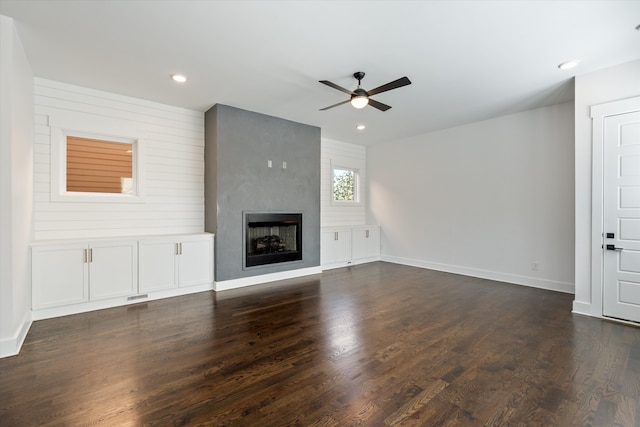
335,246
327,251
158,265
59,275
113,269
342,246
359,243
365,243
196,261
372,239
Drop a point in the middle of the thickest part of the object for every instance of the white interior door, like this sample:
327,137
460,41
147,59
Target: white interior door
621,220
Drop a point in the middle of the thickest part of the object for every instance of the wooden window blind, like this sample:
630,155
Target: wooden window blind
99,166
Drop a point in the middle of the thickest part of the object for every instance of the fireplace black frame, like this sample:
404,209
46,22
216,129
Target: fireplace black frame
269,219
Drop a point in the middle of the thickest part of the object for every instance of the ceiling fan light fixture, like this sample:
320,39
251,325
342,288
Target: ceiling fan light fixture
359,98
359,101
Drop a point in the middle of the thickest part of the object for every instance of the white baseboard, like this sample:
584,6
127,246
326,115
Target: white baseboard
11,346
486,274
580,307
48,313
226,285
349,263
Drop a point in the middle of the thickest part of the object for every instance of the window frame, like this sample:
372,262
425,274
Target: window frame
356,186
59,191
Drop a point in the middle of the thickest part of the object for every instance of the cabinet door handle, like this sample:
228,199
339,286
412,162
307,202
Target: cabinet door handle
367,234
91,255
84,255
180,248
335,235
177,248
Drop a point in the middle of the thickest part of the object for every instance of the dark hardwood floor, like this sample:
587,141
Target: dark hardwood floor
373,345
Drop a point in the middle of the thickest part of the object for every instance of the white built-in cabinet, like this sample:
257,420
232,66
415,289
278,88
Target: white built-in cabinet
342,246
85,271
167,263
365,243
113,269
60,275
335,245
76,276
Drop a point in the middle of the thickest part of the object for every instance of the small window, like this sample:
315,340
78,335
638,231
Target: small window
95,162
345,185
98,166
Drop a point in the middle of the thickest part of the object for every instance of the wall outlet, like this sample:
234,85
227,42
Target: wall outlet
284,165
269,164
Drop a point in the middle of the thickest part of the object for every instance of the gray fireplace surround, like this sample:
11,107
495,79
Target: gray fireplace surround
259,163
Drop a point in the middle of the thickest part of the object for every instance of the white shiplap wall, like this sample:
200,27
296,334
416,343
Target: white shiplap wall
343,154
172,160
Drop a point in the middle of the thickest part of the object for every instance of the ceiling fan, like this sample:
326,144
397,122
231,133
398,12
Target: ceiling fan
360,98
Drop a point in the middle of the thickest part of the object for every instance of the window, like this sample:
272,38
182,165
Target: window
99,166
345,185
94,167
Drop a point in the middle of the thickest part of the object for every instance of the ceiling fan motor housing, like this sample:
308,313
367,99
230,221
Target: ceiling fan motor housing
359,93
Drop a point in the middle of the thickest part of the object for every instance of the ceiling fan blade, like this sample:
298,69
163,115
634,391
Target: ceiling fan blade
379,105
334,105
403,81
335,86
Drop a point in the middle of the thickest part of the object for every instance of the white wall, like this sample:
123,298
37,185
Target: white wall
348,155
172,146
16,186
485,199
610,84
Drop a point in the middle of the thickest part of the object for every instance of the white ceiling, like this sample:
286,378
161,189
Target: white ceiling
468,60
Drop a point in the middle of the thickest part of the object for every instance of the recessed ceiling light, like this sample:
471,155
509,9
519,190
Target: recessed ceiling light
569,64
180,78
360,127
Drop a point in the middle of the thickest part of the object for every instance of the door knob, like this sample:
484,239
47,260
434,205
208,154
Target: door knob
613,248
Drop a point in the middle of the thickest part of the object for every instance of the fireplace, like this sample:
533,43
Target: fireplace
272,238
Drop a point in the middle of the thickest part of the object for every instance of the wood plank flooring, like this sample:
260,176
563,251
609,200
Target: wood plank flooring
373,345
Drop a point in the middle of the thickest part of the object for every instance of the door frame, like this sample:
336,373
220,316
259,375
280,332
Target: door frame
598,114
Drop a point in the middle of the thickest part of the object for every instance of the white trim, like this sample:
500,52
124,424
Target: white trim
356,186
349,263
624,322
585,310
226,285
615,108
58,169
11,346
181,236
598,114
326,267
597,157
516,279
84,307
582,308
